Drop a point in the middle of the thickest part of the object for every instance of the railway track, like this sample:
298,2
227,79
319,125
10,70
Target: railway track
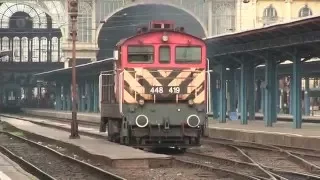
251,160
280,163
46,163
181,169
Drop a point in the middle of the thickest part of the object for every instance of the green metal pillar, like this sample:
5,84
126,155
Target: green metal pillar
222,98
262,101
64,96
82,96
290,97
275,95
251,91
270,105
96,96
306,97
232,91
68,97
214,95
88,95
238,81
296,105
58,97
243,93
258,95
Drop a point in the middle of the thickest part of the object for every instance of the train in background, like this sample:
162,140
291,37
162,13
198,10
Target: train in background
156,95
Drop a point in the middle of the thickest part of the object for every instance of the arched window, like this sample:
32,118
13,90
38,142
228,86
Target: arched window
270,15
55,50
35,49
38,17
16,49
25,49
224,20
305,11
5,43
44,50
5,46
84,23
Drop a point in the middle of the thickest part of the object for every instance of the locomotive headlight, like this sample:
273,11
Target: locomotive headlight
190,102
193,121
141,102
142,121
165,38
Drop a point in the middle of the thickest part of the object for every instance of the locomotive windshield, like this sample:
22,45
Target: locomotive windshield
140,54
164,54
188,54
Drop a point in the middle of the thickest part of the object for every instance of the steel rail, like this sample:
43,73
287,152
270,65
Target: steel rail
221,172
104,174
310,167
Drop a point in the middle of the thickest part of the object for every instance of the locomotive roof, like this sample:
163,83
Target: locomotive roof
122,41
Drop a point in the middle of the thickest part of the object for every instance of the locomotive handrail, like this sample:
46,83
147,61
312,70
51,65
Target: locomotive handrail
209,105
120,92
100,90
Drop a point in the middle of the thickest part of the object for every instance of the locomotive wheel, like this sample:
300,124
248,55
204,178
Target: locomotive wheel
103,125
183,150
124,140
113,132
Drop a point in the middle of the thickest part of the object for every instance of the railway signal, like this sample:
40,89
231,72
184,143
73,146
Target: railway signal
73,13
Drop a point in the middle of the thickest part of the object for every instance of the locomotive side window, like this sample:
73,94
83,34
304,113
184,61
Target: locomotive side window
164,54
140,54
188,54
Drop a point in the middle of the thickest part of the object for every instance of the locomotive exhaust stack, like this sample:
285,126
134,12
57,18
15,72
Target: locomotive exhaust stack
159,25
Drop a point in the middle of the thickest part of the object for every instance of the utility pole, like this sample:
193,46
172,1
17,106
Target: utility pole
73,12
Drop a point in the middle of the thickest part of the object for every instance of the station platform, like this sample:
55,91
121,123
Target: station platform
95,117
118,156
9,170
281,133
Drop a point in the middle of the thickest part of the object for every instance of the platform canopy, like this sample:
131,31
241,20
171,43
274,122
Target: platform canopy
302,34
92,68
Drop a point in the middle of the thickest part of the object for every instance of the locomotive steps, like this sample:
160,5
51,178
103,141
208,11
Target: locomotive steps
115,155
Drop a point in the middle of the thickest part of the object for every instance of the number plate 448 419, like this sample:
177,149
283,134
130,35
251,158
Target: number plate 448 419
165,90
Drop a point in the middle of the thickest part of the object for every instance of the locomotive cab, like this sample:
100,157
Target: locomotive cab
159,89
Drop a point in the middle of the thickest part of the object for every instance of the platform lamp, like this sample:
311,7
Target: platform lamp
73,13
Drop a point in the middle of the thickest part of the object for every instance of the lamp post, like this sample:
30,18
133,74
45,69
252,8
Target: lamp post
73,13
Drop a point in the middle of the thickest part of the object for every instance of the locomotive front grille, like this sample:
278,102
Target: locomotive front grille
164,86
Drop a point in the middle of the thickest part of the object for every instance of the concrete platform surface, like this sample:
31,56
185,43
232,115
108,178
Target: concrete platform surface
288,116
63,114
50,123
281,133
96,116
9,170
119,155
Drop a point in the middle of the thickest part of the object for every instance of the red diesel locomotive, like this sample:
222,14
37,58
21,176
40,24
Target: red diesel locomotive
156,94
